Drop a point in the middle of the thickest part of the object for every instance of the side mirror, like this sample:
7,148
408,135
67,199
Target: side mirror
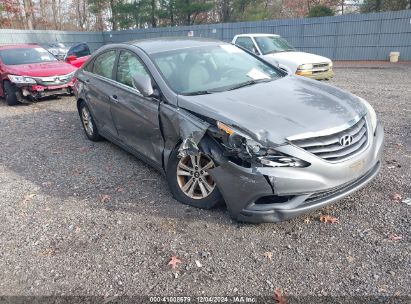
143,84
71,58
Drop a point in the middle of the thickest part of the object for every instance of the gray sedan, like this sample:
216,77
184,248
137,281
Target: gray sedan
225,126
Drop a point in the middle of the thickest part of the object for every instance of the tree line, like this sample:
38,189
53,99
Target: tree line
101,15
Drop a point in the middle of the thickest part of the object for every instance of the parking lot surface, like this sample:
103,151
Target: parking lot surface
84,218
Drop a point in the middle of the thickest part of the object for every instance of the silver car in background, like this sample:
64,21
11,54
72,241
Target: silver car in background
225,125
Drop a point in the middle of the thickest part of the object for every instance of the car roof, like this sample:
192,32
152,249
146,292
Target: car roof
158,45
18,46
258,35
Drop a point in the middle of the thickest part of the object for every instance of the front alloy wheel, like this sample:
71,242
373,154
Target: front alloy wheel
193,177
190,181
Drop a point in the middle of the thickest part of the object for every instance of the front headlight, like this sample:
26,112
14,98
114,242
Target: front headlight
330,64
371,114
21,79
253,150
307,66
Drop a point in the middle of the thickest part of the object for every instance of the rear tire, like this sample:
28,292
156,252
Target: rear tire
89,126
10,94
192,187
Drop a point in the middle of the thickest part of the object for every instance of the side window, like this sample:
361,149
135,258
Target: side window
128,66
246,43
104,63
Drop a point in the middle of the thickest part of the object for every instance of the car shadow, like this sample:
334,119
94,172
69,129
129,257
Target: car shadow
47,146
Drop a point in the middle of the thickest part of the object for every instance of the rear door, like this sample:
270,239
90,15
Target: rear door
99,82
136,116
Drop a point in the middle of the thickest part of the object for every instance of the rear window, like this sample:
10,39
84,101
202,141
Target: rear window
79,50
25,56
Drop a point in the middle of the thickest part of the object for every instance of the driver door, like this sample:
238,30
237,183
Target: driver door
135,116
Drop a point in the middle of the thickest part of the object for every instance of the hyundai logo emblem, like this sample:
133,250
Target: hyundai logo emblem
346,140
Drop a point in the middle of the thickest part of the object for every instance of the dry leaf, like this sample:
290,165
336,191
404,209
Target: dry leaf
173,262
48,252
28,197
268,255
394,237
328,219
279,297
120,189
105,198
76,171
307,220
83,149
382,288
397,197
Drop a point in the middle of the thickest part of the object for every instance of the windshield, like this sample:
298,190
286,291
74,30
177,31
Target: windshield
212,69
272,44
25,56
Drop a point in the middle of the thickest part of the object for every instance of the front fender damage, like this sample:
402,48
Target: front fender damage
179,125
238,185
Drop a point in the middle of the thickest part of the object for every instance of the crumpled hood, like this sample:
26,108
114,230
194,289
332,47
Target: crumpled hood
273,111
42,69
299,57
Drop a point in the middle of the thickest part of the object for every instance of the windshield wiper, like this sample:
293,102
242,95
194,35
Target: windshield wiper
248,83
203,92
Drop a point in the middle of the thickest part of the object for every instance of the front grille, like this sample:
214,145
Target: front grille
321,67
329,147
53,80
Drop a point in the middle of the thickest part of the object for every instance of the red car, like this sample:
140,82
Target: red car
29,72
77,61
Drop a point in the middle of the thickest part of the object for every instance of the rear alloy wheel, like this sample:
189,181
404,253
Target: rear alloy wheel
190,181
88,122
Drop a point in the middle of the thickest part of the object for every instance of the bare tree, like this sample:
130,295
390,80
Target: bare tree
28,12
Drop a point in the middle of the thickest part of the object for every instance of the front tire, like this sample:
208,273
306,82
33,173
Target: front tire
10,94
189,180
89,126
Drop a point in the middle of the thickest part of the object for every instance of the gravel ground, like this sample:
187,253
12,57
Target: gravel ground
83,218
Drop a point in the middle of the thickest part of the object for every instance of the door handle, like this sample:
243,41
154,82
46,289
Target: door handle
114,98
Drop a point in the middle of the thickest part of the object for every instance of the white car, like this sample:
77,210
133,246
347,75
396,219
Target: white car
278,51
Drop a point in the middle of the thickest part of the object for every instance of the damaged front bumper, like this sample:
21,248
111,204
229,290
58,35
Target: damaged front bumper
29,93
267,194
